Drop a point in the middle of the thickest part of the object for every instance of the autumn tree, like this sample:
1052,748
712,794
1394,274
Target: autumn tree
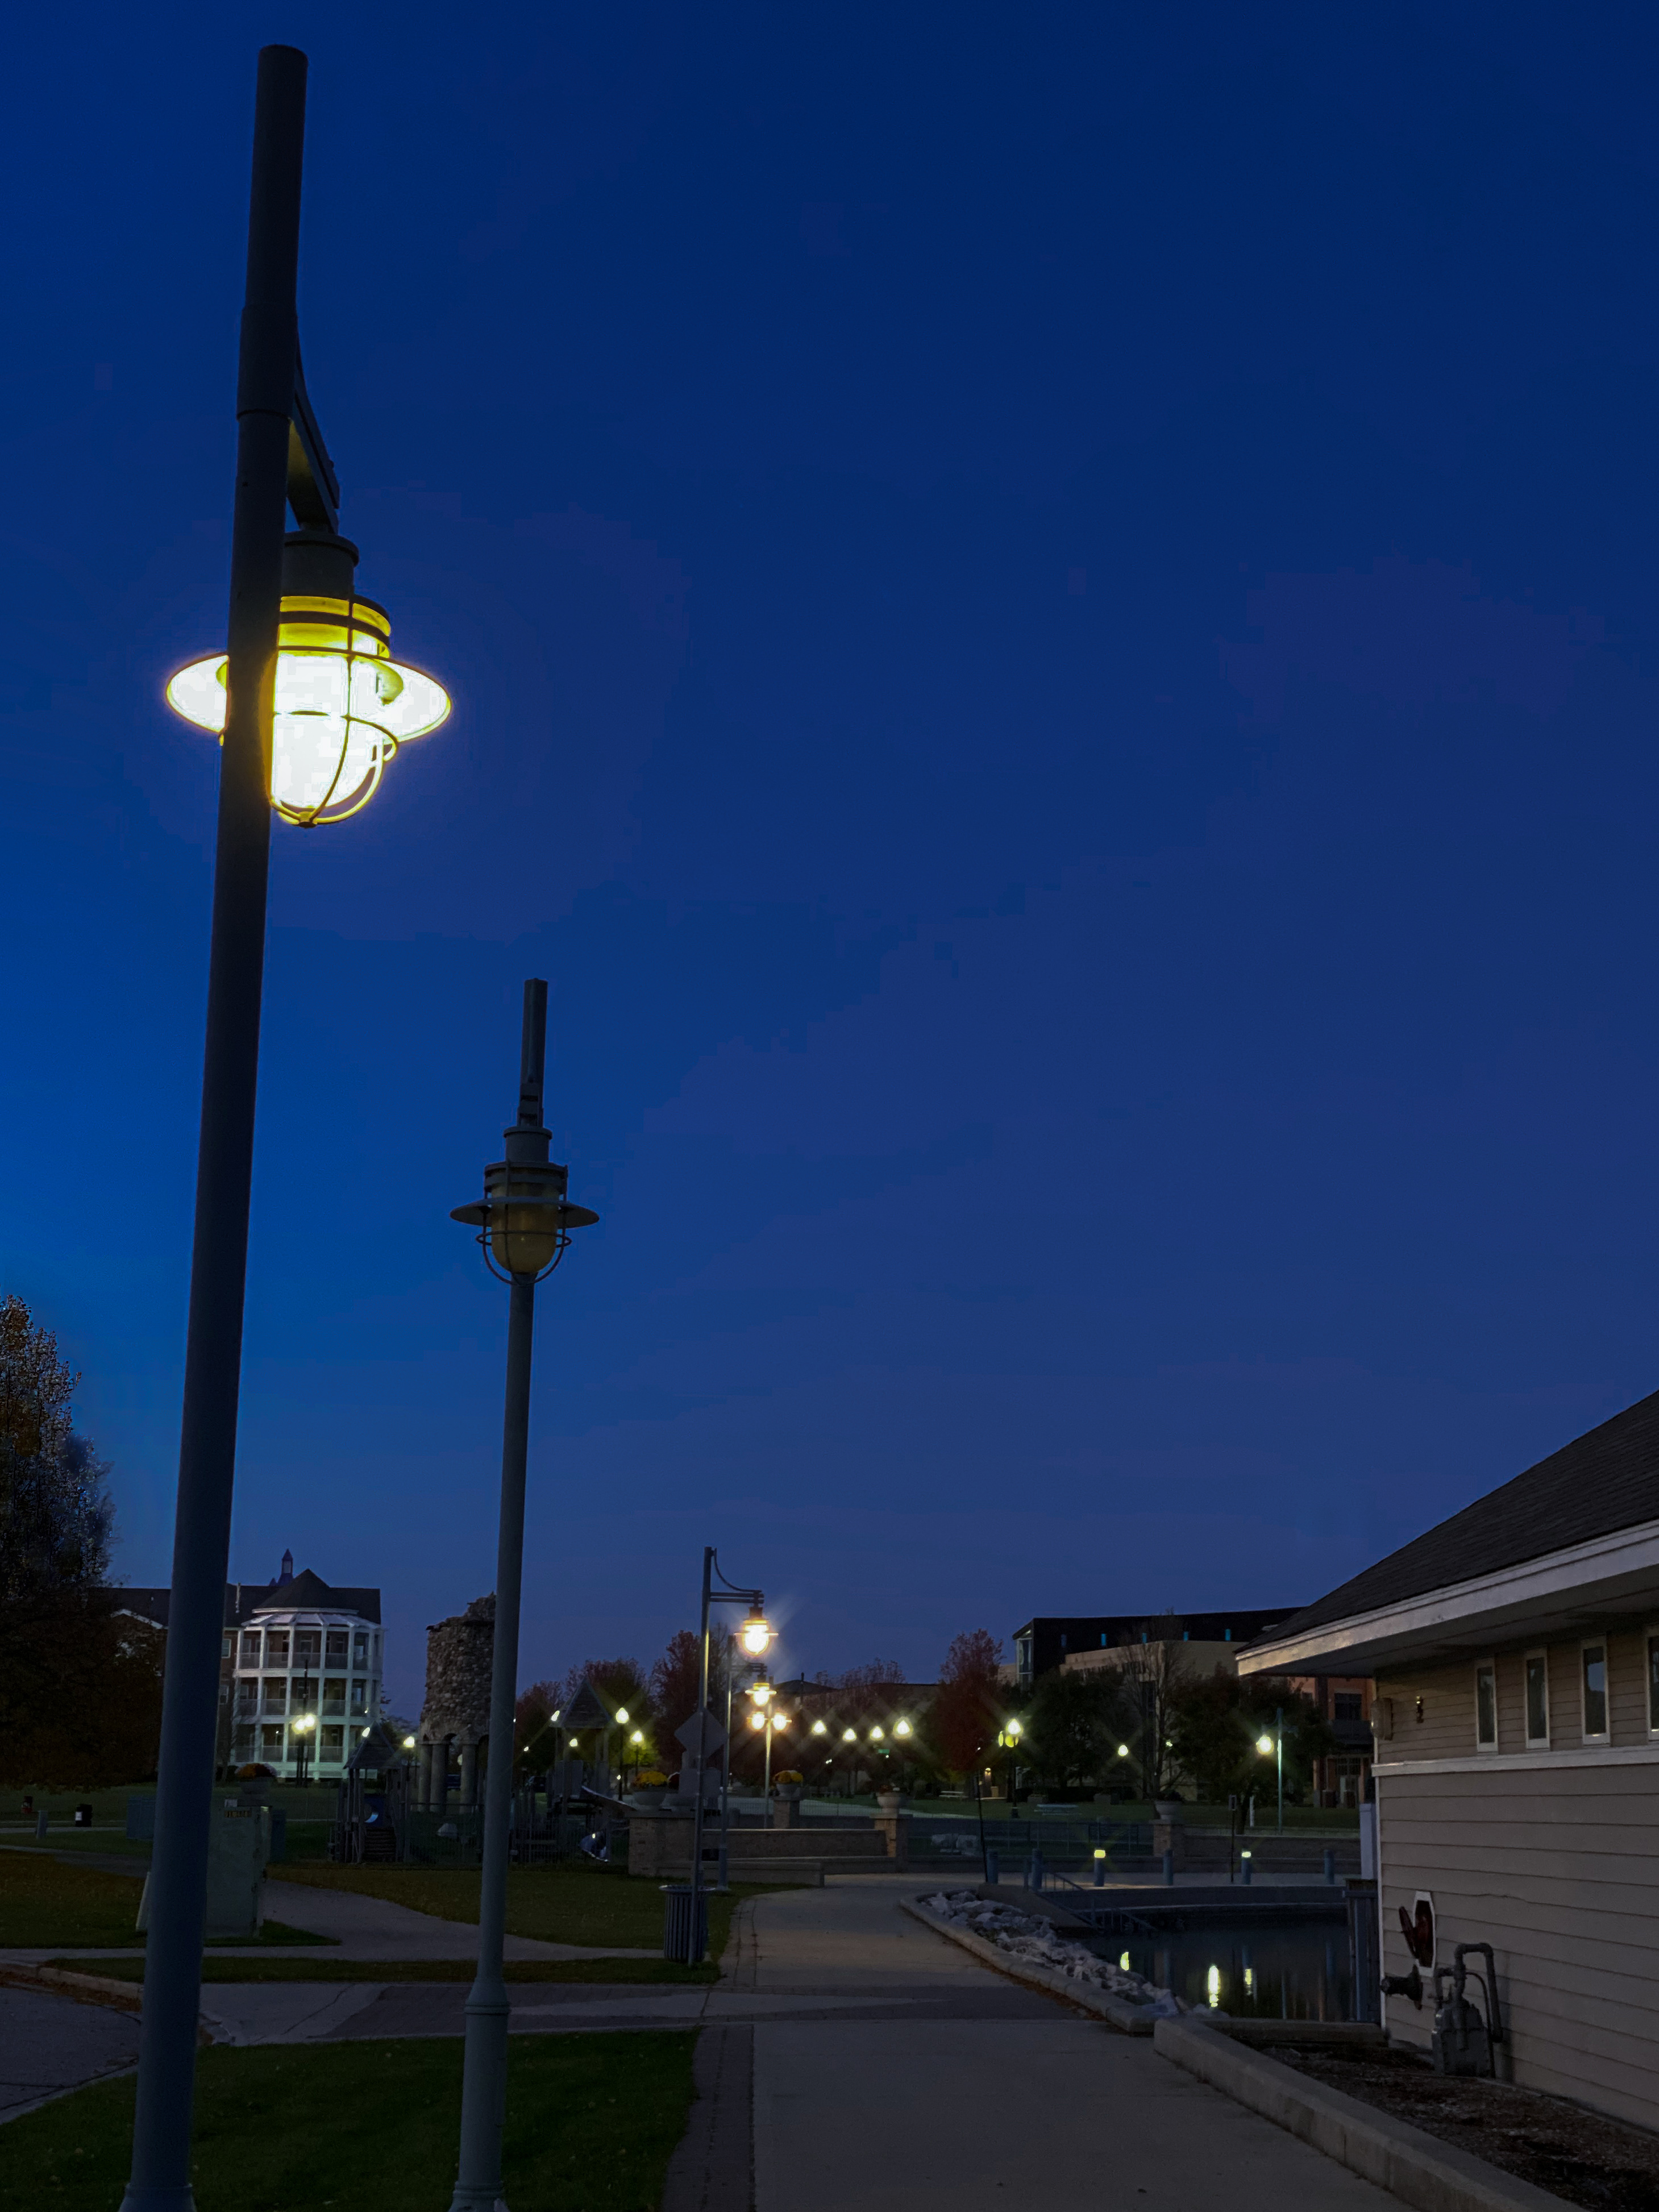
1069,1726
968,1703
80,1681
674,1683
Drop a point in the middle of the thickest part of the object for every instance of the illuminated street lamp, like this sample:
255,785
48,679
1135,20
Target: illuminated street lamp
311,706
304,1727
342,705
1272,1747
753,1637
756,1634
1008,1736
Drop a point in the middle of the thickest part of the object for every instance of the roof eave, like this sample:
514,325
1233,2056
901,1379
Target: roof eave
1547,1597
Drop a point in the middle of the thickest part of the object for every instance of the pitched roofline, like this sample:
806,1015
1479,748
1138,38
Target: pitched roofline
1615,1572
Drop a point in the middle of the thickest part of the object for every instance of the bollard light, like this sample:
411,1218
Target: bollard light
342,704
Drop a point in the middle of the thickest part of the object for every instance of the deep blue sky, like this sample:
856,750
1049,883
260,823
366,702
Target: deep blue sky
1052,617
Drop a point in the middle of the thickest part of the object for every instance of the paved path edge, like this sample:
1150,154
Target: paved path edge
1408,2161
93,1989
1127,2019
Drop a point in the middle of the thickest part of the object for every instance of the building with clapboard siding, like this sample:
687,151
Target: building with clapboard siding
1515,1649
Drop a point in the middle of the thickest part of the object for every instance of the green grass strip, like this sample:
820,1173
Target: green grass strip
592,2121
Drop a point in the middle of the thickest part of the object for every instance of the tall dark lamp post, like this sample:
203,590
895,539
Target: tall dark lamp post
311,706
524,1223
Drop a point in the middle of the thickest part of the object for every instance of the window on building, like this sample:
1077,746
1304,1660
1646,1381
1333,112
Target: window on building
1593,1662
248,1694
359,1696
1653,1685
1023,1657
1347,1705
250,1647
337,1646
276,1694
1486,1705
243,1742
360,1648
334,1693
270,1743
307,1647
1538,1698
276,1647
227,1644
333,1743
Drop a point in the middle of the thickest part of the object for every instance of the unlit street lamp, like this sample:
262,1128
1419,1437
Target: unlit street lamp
524,1221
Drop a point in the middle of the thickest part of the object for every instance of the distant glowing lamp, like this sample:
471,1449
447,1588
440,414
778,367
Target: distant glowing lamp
818,1729
343,705
757,1720
1264,1744
1015,1731
901,1728
850,1736
409,1743
622,1715
875,1735
638,1736
1123,1751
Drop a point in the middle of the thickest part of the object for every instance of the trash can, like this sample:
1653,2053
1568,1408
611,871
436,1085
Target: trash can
684,1940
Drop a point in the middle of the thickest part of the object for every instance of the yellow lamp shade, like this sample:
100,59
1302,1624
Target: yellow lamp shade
343,705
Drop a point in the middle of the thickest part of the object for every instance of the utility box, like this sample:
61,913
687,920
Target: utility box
239,1847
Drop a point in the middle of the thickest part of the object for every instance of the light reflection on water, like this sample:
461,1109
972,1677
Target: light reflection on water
1274,1969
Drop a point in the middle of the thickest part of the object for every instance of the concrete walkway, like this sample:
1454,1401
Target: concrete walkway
849,2054
49,2044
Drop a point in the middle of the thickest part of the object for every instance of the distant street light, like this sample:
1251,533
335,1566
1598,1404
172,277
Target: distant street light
304,1727
754,1636
524,1223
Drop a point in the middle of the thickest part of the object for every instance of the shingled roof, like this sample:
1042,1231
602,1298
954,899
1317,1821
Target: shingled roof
305,1592
1604,1480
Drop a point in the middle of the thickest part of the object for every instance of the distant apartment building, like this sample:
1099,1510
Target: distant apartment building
295,1649
1080,1640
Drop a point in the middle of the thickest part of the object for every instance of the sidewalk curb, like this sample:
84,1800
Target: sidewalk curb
90,1989
118,1997
1127,2019
1408,2162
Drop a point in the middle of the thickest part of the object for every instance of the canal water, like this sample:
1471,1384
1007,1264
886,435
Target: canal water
1267,1969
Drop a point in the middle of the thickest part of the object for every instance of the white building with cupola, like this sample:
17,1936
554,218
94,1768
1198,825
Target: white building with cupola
300,1669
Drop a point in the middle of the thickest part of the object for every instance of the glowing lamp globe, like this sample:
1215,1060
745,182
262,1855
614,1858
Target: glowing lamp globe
342,704
901,1728
1264,1744
757,1720
850,1736
755,1633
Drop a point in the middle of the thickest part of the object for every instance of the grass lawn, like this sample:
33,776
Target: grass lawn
561,1904
42,1902
405,1970
592,2121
